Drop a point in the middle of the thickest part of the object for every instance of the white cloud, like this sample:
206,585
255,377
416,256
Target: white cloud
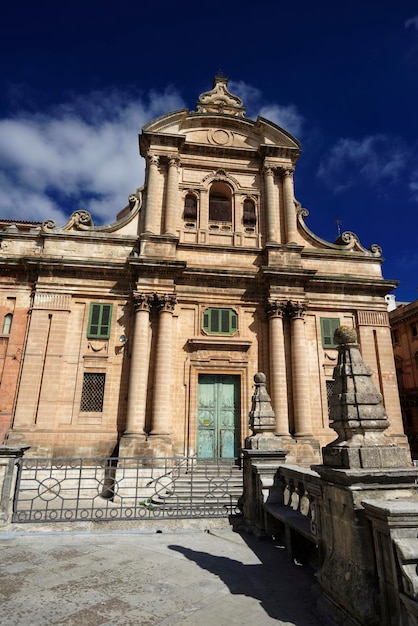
413,21
81,154
368,160
286,116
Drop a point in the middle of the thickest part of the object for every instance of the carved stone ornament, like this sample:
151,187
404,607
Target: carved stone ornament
287,171
276,308
262,416
297,310
143,301
173,160
48,225
79,220
357,413
289,308
220,100
165,302
153,159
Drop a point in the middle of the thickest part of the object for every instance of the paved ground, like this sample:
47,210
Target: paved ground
126,578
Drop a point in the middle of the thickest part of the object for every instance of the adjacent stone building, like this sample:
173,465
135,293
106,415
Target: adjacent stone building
404,325
143,336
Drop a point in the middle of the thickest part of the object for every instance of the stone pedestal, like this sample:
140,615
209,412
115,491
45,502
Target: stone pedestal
261,457
361,464
260,475
349,577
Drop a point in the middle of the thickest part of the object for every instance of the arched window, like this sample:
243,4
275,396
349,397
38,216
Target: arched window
7,323
220,203
190,207
249,218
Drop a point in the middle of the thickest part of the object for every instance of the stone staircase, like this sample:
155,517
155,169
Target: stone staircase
204,489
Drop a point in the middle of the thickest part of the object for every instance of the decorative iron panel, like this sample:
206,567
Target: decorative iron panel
64,490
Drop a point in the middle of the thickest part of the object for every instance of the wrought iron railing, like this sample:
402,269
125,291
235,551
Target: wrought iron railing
64,490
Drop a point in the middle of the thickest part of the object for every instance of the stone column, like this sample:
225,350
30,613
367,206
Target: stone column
300,374
172,196
278,382
138,375
273,234
152,214
289,203
161,415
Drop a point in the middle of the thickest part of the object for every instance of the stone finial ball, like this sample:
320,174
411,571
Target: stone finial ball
260,377
345,334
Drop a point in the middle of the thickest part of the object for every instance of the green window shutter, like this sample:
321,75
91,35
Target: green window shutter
328,327
100,319
220,321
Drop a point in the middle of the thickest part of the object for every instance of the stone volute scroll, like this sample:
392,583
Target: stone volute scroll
357,413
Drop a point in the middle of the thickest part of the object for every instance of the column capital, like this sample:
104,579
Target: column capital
297,309
287,172
153,159
165,302
143,301
276,308
268,170
173,160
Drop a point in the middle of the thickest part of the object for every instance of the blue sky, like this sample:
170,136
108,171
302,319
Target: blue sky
79,79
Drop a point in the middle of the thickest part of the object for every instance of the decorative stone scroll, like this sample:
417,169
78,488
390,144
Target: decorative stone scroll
220,100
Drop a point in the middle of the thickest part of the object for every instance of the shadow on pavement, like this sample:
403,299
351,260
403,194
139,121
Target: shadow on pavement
283,589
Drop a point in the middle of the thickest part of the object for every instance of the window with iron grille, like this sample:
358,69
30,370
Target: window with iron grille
190,207
249,218
220,321
92,394
328,327
100,318
330,388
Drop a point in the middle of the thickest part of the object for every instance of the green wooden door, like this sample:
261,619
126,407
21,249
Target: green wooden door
218,416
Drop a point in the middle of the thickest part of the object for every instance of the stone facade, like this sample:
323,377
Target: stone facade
404,325
143,336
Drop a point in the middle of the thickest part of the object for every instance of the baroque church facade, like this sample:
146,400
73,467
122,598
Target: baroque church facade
142,337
